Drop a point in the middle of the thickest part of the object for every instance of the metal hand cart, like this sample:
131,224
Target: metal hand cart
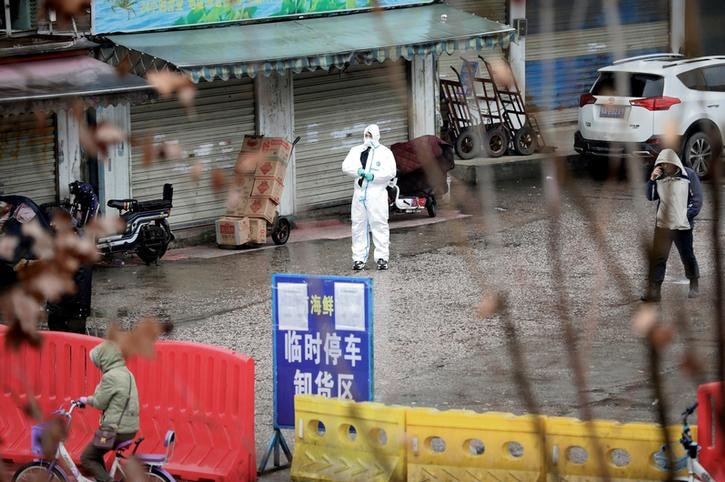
521,124
281,227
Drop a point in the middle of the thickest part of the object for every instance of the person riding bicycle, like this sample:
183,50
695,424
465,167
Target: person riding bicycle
117,397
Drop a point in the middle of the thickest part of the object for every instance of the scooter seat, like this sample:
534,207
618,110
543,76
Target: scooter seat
125,204
155,205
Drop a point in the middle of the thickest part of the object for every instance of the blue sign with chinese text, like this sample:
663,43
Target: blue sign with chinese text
322,338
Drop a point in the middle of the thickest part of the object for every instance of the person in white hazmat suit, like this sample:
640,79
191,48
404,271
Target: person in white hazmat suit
373,166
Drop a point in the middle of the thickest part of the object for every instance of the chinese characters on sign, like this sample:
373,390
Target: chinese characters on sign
322,338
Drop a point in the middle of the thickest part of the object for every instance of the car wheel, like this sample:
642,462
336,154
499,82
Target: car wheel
698,153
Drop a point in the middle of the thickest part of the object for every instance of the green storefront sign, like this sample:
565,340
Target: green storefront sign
139,15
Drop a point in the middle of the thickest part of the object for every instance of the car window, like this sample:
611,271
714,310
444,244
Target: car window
715,78
693,79
636,85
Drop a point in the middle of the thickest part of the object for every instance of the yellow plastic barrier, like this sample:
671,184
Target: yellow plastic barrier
628,450
461,445
347,441
339,440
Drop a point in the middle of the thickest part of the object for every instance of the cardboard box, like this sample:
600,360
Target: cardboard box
246,163
269,168
258,231
276,149
232,232
267,188
262,208
238,198
252,143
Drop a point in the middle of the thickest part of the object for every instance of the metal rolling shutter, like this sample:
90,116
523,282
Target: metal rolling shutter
491,9
224,112
578,43
331,112
27,157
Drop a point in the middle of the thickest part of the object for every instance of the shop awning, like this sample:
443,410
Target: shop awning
312,43
49,84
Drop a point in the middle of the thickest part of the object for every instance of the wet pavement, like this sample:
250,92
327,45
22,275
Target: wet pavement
430,347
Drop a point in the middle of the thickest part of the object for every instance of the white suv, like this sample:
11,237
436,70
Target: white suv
639,104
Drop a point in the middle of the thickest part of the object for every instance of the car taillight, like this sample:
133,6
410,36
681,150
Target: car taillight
655,103
586,99
421,202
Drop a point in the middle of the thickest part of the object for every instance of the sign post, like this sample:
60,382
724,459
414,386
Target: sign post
322,345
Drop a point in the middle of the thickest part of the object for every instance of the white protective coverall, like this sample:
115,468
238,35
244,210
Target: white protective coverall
370,200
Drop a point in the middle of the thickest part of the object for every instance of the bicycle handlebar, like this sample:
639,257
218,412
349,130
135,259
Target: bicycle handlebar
689,411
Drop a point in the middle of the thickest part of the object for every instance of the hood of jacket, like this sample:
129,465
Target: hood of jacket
107,356
668,156
374,131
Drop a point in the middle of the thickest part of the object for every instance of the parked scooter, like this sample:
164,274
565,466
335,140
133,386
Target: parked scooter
70,312
409,204
147,232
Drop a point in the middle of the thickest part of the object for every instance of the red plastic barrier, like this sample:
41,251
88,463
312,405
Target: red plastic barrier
204,393
710,436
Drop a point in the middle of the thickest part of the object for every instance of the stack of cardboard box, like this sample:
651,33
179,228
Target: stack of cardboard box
255,196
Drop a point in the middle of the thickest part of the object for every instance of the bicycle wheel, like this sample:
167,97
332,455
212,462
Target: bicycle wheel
38,472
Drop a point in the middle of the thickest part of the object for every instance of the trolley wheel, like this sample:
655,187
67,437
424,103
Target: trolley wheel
468,144
281,231
496,141
525,140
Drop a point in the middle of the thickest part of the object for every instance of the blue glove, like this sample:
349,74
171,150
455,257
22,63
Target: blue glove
369,176
360,171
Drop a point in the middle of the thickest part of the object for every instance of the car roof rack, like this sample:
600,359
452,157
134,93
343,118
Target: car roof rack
695,60
660,56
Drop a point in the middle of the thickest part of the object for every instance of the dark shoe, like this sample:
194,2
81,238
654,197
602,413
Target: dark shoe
654,292
358,266
382,264
694,288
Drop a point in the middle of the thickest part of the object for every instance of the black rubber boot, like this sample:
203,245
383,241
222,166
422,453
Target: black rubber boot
654,292
694,288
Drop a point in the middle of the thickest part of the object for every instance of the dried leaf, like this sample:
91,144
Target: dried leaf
187,94
489,306
42,241
16,336
218,179
196,171
51,285
105,225
691,364
661,336
97,140
670,137
234,197
133,471
139,341
149,153
54,432
167,82
123,68
644,320
32,410
8,244
67,9
170,151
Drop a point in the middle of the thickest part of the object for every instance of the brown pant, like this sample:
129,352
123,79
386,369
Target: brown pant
92,458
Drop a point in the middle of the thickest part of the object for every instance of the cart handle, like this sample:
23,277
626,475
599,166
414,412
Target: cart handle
297,139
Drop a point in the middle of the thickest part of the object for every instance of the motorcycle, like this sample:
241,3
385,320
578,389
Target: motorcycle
71,311
146,229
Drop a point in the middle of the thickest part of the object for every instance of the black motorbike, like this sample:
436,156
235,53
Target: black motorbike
146,229
70,312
